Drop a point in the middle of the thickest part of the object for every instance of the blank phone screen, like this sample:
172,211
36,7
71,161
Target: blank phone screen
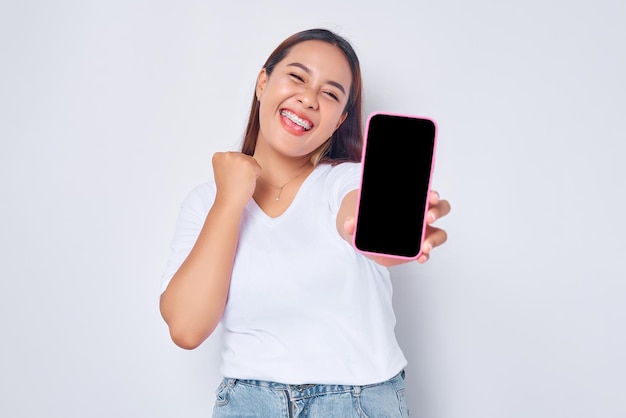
397,165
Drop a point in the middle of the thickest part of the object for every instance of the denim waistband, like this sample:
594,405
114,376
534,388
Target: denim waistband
308,390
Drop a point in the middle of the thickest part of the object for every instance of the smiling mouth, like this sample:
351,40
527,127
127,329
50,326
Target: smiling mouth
304,124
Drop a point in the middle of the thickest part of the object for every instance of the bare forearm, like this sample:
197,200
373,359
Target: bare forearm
195,298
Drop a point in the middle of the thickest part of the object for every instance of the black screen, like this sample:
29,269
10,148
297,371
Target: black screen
394,188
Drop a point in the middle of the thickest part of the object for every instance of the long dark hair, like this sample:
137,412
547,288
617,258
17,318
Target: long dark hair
346,142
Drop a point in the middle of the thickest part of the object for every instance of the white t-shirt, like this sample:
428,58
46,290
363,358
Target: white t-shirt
303,306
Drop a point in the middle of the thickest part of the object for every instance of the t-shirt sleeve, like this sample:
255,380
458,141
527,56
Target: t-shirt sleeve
191,218
343,179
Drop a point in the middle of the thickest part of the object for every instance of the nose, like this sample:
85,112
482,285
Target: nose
308,97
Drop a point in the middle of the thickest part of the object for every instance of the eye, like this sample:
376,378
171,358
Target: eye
332,95
297,77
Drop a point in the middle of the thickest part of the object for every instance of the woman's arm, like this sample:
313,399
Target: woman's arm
434,236
194,301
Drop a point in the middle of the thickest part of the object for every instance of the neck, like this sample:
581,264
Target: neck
279,177
277,169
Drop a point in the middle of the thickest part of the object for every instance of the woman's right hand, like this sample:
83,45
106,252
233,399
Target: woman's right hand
235,177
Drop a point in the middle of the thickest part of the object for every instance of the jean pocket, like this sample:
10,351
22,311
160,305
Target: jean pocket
222,394
402,402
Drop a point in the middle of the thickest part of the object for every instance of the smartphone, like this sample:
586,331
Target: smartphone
397,165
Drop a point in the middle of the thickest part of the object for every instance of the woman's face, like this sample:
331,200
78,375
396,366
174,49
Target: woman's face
302,101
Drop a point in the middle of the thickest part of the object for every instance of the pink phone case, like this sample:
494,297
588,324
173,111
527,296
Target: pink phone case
432,168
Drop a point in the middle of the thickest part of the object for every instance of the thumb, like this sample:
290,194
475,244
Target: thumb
349,225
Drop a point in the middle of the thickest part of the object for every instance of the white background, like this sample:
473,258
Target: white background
110,112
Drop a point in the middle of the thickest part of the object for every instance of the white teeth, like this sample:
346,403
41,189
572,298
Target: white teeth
295,119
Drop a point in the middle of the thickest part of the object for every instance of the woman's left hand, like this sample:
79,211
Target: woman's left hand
434,237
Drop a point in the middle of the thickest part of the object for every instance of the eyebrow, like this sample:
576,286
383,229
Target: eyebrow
308,71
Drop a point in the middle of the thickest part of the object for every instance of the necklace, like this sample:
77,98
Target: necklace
280,188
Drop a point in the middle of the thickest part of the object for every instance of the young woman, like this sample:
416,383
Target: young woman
265,250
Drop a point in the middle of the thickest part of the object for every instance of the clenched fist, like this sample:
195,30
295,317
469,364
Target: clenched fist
235,177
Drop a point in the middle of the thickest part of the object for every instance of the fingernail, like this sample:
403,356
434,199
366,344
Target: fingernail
431,217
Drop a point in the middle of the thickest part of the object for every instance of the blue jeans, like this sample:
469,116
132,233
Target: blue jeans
238,398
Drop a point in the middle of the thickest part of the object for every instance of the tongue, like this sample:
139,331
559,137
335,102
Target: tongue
292,124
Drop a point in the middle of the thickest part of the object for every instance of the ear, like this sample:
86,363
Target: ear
341,119
261,82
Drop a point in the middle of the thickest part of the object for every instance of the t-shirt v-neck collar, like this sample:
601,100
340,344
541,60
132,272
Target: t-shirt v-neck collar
254,208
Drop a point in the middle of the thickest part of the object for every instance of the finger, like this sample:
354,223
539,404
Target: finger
433,197
434,238
436,211
257,168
